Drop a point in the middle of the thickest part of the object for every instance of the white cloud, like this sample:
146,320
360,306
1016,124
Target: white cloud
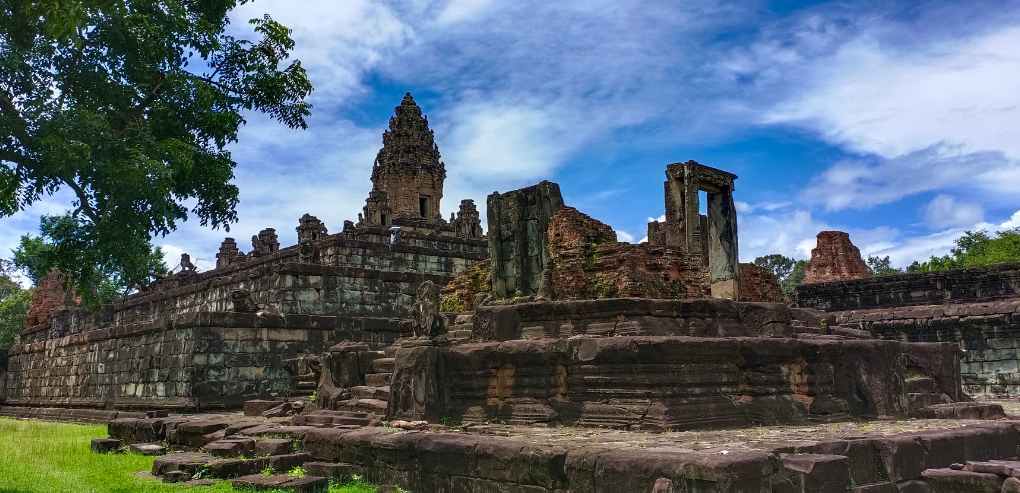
946,211
337,42
461,10
878,99
924,116
866,182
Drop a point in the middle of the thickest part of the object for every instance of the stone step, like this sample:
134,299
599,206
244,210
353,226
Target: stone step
464,318
382,365
460,335
306,385
231,447
224,468
366,392
375,405
918,401
281,482
920,385
334,418
378,379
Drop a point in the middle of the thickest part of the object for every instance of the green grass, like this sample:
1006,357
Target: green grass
43,457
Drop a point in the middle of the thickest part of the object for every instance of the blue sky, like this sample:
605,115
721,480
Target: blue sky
895,121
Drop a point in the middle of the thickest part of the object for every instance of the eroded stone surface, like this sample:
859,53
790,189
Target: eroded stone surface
835,258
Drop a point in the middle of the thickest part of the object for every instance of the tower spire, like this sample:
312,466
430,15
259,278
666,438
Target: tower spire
408,173
408,142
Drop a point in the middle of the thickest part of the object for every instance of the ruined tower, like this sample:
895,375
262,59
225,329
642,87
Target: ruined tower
408,175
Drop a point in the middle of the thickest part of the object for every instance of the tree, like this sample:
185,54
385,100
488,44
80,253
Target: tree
130,105
789,272
975,249
109,270
779,265
14,302
881,266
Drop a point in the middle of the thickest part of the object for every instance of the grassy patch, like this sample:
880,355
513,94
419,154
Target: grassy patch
43,457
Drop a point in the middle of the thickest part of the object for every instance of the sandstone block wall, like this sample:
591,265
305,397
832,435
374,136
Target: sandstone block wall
924,288
988,335
637,316
977,309
201,361
667,382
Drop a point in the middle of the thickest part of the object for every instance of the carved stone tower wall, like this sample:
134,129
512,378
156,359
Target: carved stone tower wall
408,175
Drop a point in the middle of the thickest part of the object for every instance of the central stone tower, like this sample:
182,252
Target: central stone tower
408,175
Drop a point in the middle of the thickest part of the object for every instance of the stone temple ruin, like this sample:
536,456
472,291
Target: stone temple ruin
545,356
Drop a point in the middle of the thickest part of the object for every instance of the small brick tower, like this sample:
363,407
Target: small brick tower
408,175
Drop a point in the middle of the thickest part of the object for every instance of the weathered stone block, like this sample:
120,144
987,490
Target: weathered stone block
950,481
106,445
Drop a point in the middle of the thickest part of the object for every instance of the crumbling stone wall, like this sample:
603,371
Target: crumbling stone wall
666,382
204,360
972,285
987,333
977,309
49,296
835,258
360,290
759,284
707,317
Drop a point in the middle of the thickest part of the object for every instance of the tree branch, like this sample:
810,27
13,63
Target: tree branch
84,204
20,127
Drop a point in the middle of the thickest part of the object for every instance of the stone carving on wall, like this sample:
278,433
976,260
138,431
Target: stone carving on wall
427,320
243,301
308,252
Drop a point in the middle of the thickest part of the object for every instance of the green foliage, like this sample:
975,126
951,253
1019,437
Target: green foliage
13,310
975,249
451,303
789,272
100,266
42,457
779,265
130,106
882,266
296,472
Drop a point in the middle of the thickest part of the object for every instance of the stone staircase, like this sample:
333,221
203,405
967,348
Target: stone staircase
459,329
367,405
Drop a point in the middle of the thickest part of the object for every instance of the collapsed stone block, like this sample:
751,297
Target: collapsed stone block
812,473
106,445
950,481
282,482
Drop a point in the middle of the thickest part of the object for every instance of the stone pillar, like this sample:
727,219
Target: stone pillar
416,388
518,253
722,245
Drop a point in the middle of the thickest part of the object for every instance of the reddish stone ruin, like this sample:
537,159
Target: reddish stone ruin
588,262
51,294
835,258
759,284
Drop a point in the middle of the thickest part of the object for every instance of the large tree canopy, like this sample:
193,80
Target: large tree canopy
105,271
130,105
975,249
